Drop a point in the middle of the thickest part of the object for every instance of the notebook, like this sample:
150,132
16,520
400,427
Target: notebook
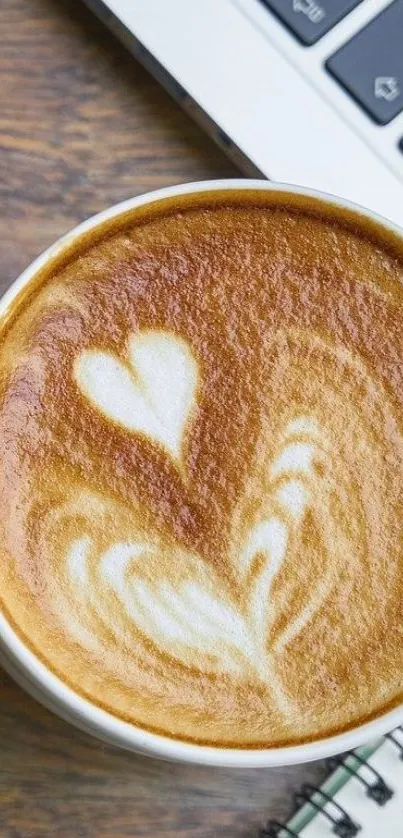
363,795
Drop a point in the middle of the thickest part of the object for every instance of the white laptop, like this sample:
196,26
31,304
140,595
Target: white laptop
300,91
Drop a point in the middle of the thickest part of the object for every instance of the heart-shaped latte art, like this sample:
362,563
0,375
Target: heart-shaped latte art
151,393
133,593
176,601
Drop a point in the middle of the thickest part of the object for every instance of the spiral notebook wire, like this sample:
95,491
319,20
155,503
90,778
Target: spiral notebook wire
363,795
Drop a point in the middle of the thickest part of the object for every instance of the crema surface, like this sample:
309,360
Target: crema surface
201,469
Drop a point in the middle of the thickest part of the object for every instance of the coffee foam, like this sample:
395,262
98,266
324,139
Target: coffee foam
201,458
151,394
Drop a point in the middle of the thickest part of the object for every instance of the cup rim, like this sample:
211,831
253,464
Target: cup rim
30,670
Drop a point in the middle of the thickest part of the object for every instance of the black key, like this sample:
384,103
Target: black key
370,66
310,19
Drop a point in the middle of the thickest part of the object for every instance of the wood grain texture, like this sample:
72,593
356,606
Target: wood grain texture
81,127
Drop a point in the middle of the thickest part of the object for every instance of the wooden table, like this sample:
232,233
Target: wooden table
81,127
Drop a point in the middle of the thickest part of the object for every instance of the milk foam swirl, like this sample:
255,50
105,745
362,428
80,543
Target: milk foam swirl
156,599
167,594
153,395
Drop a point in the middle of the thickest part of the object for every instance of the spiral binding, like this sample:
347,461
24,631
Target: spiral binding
393,738
341,823
377,790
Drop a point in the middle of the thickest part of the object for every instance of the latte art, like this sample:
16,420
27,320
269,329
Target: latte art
153,395
170,595
200,471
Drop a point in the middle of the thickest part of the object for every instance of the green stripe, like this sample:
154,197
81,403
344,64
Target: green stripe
331,786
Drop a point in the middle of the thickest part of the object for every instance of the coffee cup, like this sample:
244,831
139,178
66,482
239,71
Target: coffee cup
318,478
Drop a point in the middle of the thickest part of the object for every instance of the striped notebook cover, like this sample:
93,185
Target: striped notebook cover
363,795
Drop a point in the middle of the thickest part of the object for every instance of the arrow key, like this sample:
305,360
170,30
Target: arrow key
370,65
309,20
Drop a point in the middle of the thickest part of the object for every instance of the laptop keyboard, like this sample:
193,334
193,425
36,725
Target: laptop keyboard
370,65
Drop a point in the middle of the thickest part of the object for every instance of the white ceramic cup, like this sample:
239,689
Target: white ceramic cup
43,685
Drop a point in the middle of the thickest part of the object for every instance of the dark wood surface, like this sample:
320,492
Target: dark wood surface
81,127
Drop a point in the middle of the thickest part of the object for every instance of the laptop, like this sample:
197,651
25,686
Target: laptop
306,92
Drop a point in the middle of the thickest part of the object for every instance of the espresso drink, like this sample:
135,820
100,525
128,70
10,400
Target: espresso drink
201,468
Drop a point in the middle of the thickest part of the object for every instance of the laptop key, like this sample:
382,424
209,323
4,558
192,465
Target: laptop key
370,65
308,20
